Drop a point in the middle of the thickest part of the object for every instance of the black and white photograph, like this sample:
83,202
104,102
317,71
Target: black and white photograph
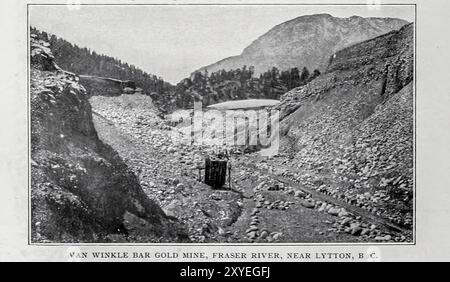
225,139
226,124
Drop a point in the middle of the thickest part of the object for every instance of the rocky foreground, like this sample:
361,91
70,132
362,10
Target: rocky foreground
258,207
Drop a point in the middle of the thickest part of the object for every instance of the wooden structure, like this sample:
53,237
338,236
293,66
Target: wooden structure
215,172
216,167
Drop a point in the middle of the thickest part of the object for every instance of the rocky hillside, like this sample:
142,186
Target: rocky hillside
81,190
86,62
306,41
350,131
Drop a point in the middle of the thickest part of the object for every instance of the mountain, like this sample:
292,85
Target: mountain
306,41
351,130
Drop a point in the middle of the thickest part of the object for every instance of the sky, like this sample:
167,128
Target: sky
172,41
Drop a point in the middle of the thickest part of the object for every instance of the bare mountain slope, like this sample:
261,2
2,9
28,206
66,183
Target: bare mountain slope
351,129
306,41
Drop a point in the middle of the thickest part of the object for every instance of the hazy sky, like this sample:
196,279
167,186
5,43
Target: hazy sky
173,41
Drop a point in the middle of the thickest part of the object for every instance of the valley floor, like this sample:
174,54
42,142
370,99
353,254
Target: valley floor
261,207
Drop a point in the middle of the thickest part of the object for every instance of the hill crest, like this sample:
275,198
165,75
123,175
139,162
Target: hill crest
306,41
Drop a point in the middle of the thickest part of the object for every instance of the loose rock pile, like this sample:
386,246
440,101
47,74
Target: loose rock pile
167,169
349,133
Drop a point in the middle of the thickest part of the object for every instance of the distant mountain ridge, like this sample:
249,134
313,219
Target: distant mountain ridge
306,41
289,55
